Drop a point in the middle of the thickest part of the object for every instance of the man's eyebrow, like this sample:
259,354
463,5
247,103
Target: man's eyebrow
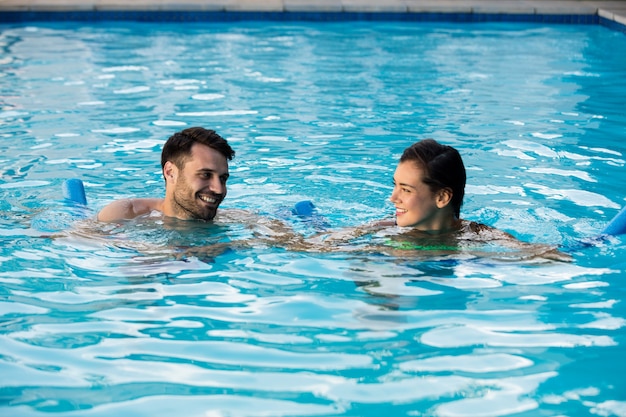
212,171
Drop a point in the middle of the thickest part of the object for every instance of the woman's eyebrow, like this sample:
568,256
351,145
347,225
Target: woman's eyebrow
404,184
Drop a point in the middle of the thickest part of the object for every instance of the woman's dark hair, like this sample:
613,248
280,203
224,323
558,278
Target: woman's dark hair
178,147
443,168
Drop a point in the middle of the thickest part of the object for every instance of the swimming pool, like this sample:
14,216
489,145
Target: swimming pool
119,323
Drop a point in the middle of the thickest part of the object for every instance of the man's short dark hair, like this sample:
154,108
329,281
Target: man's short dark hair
178,147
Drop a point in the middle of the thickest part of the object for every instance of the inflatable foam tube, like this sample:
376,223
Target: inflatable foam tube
303,208
74,191
306,211
617,226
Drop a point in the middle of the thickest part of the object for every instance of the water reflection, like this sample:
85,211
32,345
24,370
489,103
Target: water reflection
156,318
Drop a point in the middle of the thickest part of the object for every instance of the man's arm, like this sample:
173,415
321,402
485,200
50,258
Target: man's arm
129,209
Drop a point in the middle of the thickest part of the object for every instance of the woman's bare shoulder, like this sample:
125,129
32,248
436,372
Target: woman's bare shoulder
484,231
478,232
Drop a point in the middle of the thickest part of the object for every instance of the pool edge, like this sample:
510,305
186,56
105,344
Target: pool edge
611,14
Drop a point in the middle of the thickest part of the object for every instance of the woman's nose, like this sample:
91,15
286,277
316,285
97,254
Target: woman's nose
394,196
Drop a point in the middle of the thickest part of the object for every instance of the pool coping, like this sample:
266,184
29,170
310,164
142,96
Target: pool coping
611,13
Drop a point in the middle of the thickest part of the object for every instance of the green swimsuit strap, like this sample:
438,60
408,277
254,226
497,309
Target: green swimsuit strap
407,245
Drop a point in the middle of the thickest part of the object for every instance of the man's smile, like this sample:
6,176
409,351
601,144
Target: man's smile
209,199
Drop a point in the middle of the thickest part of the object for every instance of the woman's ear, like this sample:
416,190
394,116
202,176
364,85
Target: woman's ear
443,197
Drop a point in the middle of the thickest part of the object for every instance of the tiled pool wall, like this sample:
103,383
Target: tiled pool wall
227,16
611,14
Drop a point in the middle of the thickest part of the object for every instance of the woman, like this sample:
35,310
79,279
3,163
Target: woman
429,186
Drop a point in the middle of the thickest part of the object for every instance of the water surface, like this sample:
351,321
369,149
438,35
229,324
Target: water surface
134,320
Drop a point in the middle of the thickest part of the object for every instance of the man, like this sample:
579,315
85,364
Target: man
195,168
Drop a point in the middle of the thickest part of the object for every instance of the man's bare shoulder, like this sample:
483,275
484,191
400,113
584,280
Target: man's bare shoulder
129,209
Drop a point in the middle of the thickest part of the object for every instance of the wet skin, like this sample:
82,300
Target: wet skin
195,190
416,204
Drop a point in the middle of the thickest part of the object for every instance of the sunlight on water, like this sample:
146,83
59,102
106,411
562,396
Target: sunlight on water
167,318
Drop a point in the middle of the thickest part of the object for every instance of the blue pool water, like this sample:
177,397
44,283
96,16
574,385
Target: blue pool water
139,320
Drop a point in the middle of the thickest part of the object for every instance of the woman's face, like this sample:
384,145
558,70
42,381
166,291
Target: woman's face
416,205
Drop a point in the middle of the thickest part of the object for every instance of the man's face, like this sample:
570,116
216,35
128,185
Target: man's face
200,185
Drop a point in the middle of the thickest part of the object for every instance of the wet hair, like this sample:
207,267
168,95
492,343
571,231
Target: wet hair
177,149
443,168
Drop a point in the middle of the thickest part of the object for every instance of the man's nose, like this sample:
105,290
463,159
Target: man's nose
217,186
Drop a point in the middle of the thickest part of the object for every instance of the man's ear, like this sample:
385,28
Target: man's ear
444,197
170,171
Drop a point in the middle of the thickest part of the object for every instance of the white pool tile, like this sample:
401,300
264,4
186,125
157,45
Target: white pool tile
312,6
390,6
254,5
435,6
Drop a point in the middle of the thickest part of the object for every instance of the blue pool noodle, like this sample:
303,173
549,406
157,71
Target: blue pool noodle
75,208
617,226
74,191
306,210
303,208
